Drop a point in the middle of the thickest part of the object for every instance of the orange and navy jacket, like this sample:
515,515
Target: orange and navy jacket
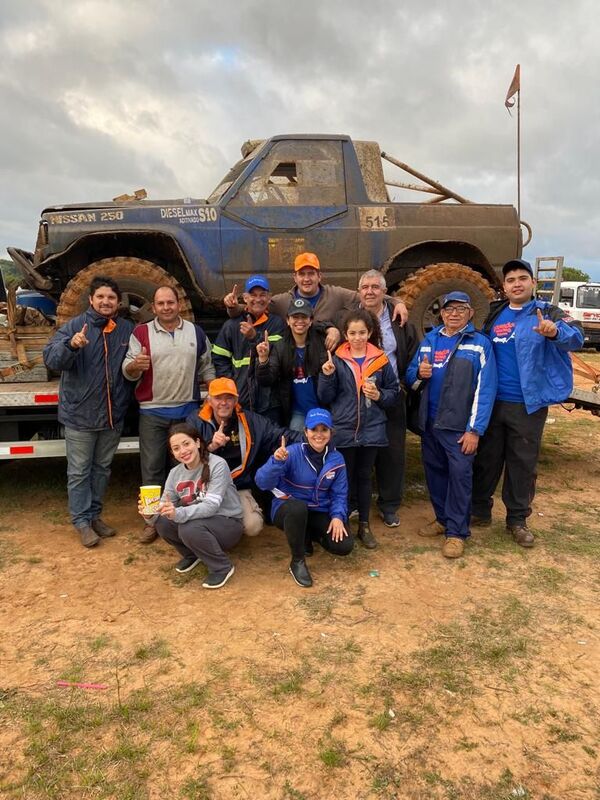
358,422
297,477
258,436
93,394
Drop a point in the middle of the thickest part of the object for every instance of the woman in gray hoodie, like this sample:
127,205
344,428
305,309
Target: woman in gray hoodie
200,513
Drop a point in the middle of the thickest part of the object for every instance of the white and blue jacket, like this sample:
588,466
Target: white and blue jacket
296,477
470,382
545,369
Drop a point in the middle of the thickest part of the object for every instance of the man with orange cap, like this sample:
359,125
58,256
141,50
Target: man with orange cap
245,440
327,300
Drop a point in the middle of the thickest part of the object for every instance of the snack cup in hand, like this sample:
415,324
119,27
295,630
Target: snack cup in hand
150,497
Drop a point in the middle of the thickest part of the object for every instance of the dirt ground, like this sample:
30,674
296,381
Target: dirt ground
399,675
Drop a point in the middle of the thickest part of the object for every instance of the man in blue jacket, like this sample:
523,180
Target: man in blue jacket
94,396
455,368
531,340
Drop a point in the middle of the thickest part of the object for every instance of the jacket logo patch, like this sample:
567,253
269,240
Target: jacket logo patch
330,475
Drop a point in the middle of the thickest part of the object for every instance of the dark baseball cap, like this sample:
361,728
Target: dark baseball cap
517,263
300,306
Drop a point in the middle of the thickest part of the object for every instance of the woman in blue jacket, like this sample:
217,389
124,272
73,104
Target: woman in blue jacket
311,494
358,384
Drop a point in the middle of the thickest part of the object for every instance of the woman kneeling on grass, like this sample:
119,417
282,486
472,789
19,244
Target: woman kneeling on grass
200,512
311,494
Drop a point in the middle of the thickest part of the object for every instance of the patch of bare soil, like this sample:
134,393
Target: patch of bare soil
400,674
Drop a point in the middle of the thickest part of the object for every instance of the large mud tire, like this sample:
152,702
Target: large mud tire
137,280
423,291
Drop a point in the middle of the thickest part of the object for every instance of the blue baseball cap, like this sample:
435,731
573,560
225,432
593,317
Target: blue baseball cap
456,297
255,281
517,263
318,416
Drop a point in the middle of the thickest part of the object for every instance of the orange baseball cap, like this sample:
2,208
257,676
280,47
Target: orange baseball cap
306,260
222,386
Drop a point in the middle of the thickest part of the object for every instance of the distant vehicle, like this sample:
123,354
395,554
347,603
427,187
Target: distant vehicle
582,301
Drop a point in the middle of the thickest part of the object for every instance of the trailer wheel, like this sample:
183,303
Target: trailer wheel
423,292
137,279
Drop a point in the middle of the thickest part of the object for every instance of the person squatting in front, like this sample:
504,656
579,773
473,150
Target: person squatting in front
310,489
456,371
200,513
358,384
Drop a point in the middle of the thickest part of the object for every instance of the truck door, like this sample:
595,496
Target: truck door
294,200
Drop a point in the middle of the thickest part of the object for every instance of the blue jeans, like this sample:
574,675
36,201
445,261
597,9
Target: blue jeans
89,456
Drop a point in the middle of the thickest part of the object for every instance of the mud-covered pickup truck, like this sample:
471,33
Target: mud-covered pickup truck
287,194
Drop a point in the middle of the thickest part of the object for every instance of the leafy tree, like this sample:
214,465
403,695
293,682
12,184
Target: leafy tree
574,274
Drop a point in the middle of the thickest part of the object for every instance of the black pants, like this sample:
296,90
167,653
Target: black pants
389,461
302,526
359,464
512,441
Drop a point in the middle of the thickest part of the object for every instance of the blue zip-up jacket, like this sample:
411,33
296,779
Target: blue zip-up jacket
469,388
545,368
93,394
296,477
356,422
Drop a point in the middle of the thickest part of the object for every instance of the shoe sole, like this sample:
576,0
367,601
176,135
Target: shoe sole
301,585
91,544
223,582
389,524
188,569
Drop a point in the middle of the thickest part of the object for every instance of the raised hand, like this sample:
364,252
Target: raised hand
262,349
247,328
328,367
425,368
142,361
231,300
281,454
80,339
545,327
219,438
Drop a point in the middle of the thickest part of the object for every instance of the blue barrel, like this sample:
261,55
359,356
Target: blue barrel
32,299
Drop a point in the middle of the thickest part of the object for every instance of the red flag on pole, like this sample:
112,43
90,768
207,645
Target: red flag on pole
515,86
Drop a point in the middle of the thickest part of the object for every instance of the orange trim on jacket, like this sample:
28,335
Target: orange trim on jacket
375,359
206,413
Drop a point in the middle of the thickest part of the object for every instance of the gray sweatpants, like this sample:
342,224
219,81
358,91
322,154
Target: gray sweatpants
207,539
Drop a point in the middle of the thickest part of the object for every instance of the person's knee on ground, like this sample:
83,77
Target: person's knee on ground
253,517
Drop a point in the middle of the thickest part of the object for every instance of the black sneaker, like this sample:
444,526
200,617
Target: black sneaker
299,572
214,580
480,522
390,519
187,564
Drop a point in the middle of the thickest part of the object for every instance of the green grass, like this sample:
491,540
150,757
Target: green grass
158,648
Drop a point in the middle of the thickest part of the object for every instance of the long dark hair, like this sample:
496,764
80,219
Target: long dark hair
370,321
189,430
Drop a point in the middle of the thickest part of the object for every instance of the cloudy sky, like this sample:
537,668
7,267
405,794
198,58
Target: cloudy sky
99,97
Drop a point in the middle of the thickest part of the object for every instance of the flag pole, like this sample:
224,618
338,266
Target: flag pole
519,152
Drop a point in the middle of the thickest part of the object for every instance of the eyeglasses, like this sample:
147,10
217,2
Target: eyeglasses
456,309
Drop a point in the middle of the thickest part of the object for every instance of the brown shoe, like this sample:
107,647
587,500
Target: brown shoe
433,528
89,537
102,529
453,547
522,535
365,534
148,535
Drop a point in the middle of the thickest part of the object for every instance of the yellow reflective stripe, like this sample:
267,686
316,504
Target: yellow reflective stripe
241,362
220,351
275,337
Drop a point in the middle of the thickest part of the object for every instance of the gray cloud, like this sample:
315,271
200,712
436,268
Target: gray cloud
102,96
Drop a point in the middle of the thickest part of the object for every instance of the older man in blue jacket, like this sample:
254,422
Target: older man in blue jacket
455,368
94,396
531,341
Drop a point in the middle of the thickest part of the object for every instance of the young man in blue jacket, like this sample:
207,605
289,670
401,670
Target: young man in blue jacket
456,365
531,341
94,396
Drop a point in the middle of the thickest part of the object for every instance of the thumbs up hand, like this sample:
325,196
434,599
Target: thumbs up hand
281,454
231,300
263,349
142,361
545,327
425,368
247,328
80,339
328,367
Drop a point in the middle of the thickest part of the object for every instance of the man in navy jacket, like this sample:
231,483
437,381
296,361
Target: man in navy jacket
456,363
94,396
531,340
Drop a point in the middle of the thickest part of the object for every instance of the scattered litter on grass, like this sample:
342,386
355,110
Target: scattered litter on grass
374,573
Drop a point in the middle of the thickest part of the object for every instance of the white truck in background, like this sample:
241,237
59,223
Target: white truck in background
582,301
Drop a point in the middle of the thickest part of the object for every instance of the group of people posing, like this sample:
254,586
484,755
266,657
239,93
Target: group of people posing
307,397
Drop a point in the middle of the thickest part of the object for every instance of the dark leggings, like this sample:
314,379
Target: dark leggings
302,526
359,464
